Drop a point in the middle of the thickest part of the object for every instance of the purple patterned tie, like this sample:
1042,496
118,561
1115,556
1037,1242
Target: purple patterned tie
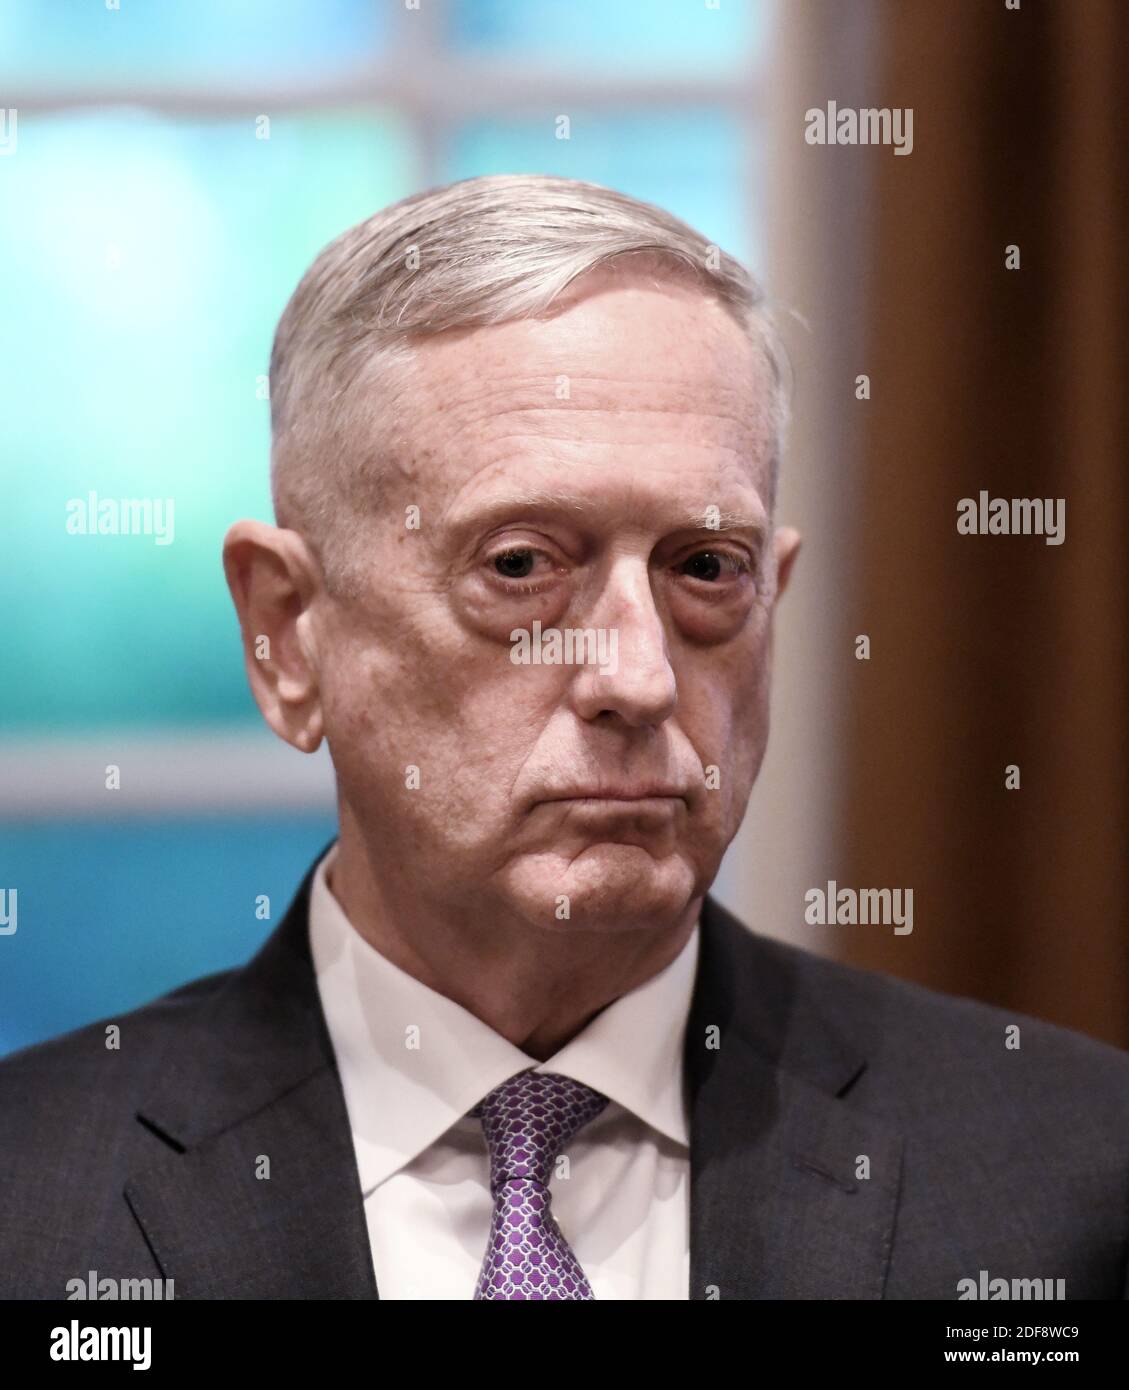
529,1121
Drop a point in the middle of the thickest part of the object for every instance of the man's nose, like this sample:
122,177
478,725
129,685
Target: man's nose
634,679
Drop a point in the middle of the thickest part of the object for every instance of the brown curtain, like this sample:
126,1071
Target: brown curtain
995,650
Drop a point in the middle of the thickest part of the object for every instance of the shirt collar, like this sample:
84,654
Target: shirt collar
412,1062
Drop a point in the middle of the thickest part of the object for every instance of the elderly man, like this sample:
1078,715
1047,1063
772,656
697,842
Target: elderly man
504,1045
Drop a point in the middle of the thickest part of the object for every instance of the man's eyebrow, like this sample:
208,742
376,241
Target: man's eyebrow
537,499
718,519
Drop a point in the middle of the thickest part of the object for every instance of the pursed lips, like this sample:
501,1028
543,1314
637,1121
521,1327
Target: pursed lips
618,794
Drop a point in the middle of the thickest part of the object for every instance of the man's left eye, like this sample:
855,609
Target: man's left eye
712,565
515,564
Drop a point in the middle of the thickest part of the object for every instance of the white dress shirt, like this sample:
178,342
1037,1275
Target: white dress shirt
413,1063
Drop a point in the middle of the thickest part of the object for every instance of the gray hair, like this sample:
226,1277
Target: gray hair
482,251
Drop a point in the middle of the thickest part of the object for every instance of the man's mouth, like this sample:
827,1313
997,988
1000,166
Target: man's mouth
608,812
644,792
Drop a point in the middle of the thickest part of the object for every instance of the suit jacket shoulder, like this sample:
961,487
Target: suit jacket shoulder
1009,1135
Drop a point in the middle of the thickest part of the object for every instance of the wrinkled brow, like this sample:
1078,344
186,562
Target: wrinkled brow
547,500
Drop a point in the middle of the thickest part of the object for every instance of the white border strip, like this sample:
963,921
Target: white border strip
178,771
444,90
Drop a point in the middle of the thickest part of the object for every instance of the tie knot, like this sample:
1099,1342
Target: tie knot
530,1120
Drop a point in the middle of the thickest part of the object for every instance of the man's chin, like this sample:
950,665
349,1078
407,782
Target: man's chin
606,887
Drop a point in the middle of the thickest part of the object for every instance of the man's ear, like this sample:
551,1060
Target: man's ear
274,578
786,543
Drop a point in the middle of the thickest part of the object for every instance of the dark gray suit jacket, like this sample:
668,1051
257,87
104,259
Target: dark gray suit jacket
140,1162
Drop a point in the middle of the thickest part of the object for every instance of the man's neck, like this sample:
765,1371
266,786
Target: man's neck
536,988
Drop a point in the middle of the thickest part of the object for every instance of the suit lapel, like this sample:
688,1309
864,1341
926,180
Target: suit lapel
778,1206
257,1195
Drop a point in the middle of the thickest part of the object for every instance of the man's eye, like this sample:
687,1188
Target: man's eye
712,565
515,564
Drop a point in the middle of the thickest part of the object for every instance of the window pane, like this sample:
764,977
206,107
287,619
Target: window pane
691,162
84,956
49,43
143,265
634,36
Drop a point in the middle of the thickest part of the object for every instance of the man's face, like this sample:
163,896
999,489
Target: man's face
564,471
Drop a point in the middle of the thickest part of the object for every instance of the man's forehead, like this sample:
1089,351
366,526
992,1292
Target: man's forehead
619,353
572,405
